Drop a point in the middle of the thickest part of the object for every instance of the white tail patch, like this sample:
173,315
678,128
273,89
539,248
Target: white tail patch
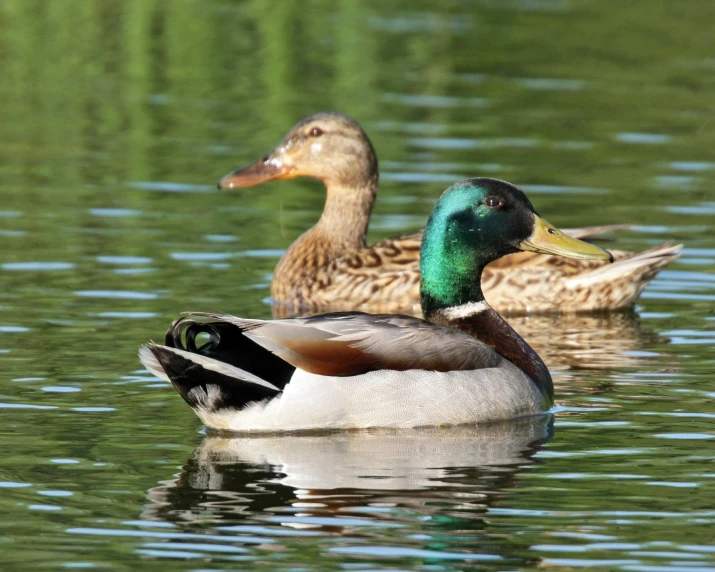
152,364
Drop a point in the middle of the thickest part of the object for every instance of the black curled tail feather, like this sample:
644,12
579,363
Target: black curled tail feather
205,384
214,366
227,344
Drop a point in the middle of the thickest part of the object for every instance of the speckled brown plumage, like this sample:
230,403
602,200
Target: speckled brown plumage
331,267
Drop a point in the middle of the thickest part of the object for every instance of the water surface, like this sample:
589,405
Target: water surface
118,119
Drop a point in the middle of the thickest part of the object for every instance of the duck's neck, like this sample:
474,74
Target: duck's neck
341,230
346,214
479,320
452,296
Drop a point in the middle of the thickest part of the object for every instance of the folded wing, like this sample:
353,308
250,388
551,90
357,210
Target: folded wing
346,344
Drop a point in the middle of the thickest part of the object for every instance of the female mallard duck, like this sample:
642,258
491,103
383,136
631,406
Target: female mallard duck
353,370
331,267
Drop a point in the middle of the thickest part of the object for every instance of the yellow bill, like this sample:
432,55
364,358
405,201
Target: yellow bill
547,239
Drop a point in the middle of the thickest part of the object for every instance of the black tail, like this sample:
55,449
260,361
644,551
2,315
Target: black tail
228,371
226,343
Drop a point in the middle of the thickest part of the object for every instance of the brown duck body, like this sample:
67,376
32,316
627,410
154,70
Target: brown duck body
331,267
318,274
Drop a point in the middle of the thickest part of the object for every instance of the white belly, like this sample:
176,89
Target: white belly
413,398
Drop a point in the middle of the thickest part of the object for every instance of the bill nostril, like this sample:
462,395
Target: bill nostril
265,158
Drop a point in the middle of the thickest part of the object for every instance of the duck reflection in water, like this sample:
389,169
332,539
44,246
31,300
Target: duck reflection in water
429,481
577,342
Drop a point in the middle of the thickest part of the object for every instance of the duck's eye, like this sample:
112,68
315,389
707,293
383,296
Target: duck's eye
493,202
316,132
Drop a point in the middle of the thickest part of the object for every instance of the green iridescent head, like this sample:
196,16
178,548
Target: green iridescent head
475,222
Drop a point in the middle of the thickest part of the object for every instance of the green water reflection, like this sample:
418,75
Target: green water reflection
119,117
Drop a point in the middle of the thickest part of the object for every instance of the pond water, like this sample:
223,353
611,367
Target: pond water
119,117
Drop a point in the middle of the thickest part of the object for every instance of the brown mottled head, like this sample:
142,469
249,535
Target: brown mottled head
331,147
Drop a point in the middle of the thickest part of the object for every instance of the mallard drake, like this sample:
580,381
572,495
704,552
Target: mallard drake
355,370
331,267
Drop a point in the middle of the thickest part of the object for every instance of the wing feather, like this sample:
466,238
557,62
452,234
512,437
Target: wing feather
352,343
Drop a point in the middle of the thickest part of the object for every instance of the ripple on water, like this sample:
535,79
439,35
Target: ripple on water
425,23
563,190
688,276
26,406
60,389
691,337
691,166
398,551
434,166
13,329
684,436
170,187
169,549
386,222
412,127
673,484
124,259
201,256
262,253
656,295
599,563
434,101
420,177
130,315
643,138
13,485
37,266
150,523
115,212
305,521
556,84
94,409
173,554
456,143
167,535
254,529
682,182
705,208
130,271
221,238
117,294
